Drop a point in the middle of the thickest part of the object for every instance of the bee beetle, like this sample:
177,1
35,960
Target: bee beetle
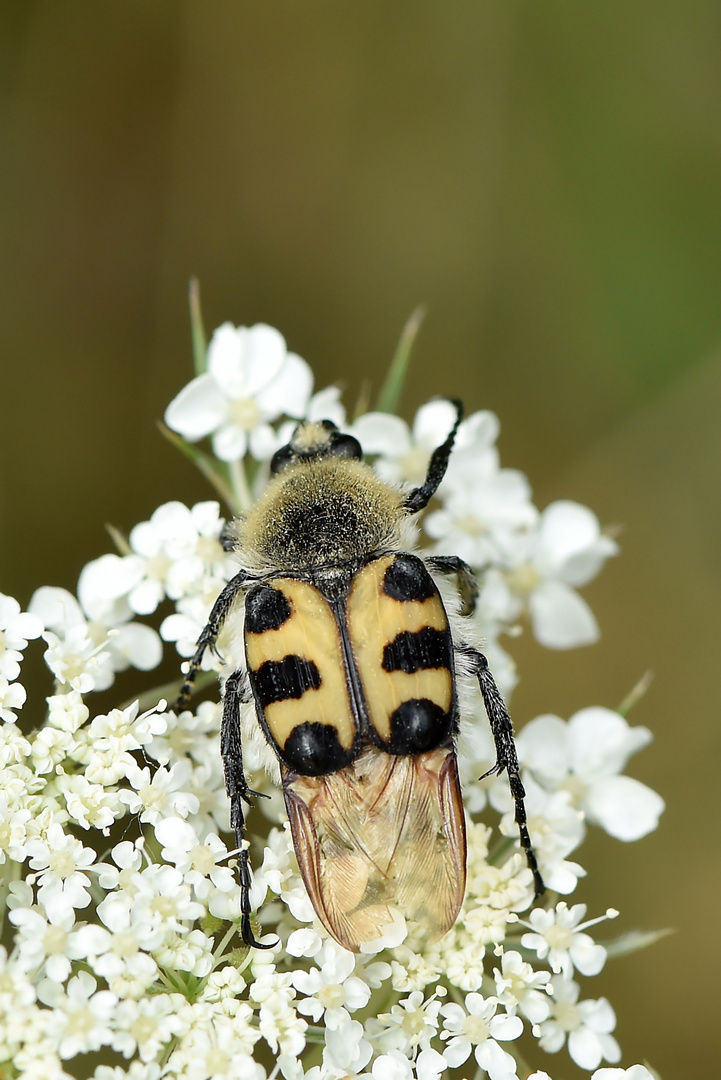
352,666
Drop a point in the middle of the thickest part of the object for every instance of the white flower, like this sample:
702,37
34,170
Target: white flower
559,936
164,794
146,1026
331,988
67,711
404,453
556,828
584,757
395,1066
197,862
79,1018
85,655
587,1024
346,1052
483,517
16,627
110,738
40,942
411,1023
519,986
251,380
12,696
90,805
477,1026
160,904
567,551
178,552
279,1024
61,861
537,570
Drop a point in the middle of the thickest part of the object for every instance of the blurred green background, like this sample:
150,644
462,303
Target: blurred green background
546,178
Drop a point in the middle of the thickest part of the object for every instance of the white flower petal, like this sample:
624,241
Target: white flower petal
381,433
230,443
326,405
585,1048
505,1027
198,409
624,807
265,351
565,529
561,619
227,360
543,747
430,1064
601,741
498,1064
581,568
288,392
55,608
138,644
457,1051
433,421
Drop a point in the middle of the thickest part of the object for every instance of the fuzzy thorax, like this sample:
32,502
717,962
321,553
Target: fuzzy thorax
323,512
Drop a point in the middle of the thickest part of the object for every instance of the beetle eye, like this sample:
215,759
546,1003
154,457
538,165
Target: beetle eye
281,458
346,446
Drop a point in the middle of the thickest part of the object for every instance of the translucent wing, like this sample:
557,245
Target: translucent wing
384,832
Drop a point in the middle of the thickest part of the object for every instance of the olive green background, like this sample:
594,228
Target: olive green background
546,178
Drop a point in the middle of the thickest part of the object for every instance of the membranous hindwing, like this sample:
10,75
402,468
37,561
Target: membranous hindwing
401,642
294,653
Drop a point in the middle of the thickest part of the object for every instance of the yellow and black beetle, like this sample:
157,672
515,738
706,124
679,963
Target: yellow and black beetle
350,660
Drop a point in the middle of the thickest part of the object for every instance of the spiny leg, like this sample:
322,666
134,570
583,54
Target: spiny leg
236,691
466,580
506,756
421,496
209,635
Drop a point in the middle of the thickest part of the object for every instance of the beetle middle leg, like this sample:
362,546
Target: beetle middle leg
465,578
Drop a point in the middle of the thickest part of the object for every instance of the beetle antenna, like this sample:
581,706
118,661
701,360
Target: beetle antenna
421,496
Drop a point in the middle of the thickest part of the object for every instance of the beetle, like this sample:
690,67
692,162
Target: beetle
353,667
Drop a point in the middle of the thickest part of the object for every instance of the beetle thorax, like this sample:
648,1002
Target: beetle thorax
323,512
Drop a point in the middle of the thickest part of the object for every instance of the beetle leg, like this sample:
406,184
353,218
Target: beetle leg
465,578
506,756
236,692
208,637
418,498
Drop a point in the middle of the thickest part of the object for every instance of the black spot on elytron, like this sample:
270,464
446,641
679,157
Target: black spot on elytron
425,649
279,680
265,609
418,725
313,749
407,579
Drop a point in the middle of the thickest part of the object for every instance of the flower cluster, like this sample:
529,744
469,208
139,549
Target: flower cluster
115,867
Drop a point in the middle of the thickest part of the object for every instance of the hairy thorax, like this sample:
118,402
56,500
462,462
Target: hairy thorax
333,511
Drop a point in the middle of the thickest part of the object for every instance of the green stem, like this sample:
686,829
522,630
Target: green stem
391,389
241,490
197,330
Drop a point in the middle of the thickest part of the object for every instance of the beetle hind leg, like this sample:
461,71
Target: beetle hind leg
236,692
506,756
